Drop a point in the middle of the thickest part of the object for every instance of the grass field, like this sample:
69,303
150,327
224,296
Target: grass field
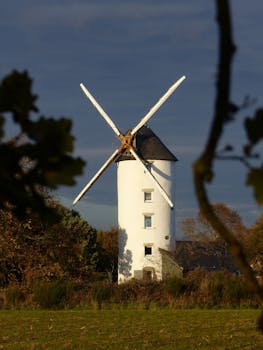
129,329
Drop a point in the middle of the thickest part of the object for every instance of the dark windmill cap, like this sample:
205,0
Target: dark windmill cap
148,146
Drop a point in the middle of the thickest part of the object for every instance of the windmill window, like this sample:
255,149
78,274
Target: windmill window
147,196
147,250
147,221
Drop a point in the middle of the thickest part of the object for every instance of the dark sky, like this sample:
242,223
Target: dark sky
128,53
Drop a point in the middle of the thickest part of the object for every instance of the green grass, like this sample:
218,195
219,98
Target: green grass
130,329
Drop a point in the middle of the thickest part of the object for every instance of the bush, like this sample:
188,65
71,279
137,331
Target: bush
195,278
15,296
235,290
126,293
101,292
53,295
199,288
175,286
216,286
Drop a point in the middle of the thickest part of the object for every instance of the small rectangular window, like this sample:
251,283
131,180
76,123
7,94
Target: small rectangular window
147,250
147,221
147,196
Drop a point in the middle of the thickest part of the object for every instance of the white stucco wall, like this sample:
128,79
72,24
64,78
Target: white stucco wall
132,182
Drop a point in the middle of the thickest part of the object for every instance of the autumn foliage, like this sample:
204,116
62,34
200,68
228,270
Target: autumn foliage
33,249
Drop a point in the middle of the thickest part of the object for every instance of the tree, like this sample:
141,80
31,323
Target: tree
224,111
71,243
108,253
205,247
200,228
39,155
254,245
34,249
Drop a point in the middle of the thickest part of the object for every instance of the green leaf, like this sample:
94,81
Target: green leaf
255,179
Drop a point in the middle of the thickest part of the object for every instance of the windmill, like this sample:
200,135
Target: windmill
145,196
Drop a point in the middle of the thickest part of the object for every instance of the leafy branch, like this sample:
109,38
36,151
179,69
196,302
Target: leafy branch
39,156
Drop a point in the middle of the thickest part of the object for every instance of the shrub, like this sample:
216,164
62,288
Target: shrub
15,296
235,290
175,286
126,293
216,286
53,295
195,278
101,292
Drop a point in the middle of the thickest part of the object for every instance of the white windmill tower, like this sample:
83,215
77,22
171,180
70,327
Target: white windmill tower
145,180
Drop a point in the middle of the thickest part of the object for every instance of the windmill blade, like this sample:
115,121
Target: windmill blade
158,105
162,191
100,110
97,175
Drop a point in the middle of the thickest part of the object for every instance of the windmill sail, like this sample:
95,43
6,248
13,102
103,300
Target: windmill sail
155,108
156,183
100,110
127,140
97,175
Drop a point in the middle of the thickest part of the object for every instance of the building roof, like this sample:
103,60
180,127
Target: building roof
148,146
213,256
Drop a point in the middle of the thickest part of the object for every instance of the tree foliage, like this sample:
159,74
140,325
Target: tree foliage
108,254
200,228
254,245
34,249
39,155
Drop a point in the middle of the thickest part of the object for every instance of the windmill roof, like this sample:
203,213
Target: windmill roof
148,146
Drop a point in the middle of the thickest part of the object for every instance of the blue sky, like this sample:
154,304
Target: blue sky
128,53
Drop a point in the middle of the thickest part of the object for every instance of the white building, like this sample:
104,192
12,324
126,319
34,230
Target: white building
146,175
146,221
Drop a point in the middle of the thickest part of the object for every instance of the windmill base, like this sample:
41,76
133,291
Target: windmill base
154,268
